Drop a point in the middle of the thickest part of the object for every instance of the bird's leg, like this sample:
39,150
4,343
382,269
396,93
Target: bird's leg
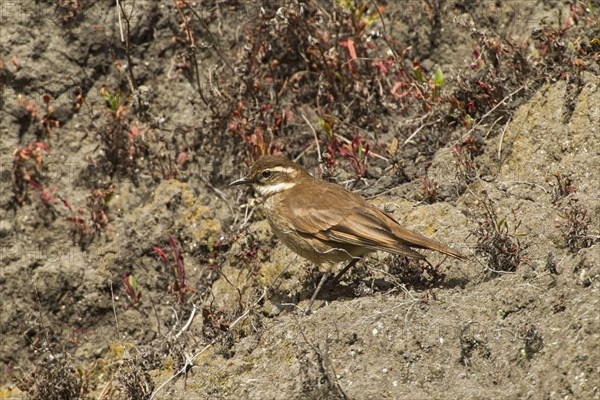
351,264
324,278
317,290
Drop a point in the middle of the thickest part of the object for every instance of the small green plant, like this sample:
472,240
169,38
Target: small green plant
418,88
113,100
120,139
134,294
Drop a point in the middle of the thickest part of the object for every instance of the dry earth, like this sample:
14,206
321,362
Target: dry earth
389,330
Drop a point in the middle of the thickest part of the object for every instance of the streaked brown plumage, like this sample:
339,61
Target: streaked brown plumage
326,223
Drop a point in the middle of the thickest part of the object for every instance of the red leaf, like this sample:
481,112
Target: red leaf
160,253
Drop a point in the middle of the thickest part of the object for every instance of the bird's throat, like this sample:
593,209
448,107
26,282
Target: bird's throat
274,188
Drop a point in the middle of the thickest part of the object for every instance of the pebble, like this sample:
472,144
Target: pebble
5,228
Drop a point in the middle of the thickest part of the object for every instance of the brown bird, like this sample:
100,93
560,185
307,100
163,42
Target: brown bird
324,222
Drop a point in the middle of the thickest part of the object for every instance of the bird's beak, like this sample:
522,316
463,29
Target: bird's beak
243,181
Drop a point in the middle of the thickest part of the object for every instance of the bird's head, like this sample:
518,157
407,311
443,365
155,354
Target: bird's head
272,174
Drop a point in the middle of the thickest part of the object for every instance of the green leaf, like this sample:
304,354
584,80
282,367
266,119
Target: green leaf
109,197
501,223
326,127
345,4
418,74
438,77
113,102
133,283
468,119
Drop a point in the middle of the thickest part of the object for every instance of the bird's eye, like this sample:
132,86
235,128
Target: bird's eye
266,174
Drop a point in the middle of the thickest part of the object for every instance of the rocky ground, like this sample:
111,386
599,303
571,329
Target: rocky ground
129,270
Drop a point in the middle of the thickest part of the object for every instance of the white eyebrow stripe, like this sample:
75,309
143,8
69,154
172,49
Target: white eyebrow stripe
287,170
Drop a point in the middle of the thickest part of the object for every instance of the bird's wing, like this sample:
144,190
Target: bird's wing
344,218
362,227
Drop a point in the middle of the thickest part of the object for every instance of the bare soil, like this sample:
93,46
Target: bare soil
115,158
